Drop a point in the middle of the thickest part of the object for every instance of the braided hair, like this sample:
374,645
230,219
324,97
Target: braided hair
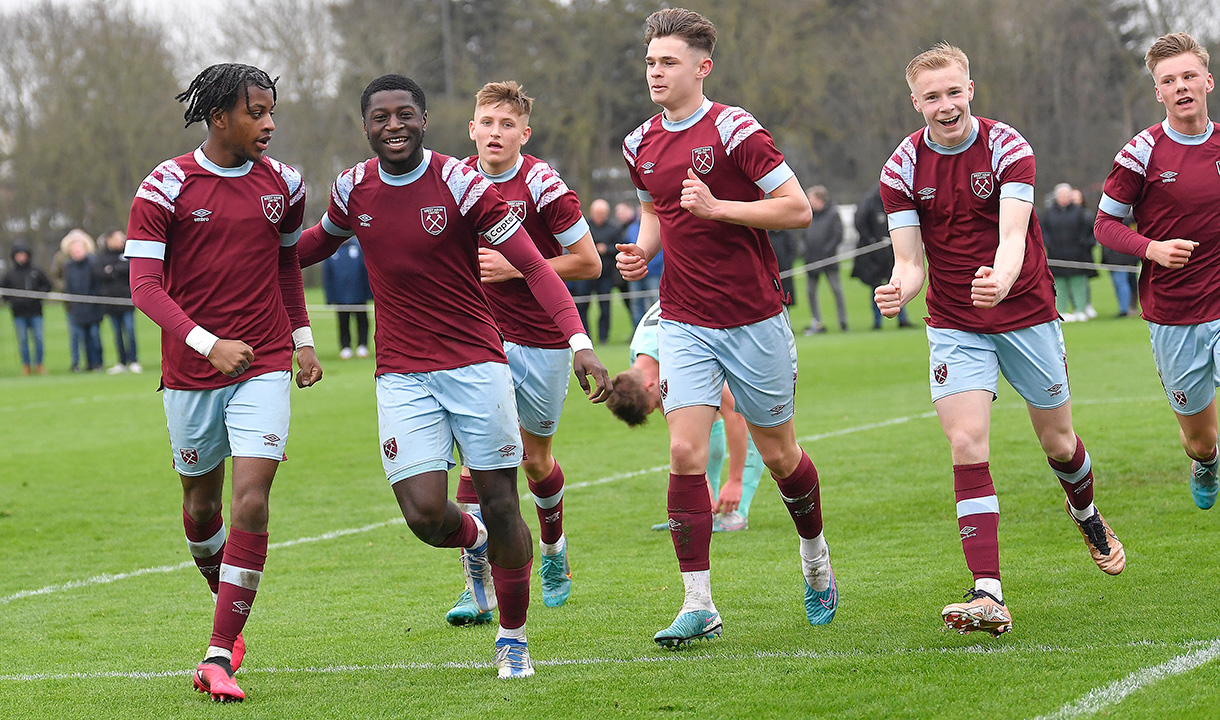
216,88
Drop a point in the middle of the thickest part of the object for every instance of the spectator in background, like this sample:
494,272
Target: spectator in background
113,272
787,246
629,219
1067,233
606,233
27,312
345,280
874,268
821,242
84,318
1126,282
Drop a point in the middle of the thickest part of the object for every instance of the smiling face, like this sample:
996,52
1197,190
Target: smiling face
943,96
498,133
395,128
675,73
1182,85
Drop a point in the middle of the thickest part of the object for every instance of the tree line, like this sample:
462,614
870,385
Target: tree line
87,91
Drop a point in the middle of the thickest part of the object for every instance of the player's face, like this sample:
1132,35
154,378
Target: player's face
247,127
498,133
675,72
943,97
395,127
1182,85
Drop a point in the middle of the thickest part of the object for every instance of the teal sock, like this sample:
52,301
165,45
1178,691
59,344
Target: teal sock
750,478
716,449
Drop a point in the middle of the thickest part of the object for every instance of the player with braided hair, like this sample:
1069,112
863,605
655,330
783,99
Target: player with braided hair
212,242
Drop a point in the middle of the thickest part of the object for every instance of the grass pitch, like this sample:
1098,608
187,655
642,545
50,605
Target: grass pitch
102,614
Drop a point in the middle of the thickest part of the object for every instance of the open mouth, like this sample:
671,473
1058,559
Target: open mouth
1183,102
950,123
396,143
262,143
493,145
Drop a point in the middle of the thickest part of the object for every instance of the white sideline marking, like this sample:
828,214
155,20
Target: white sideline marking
685,656
1101,698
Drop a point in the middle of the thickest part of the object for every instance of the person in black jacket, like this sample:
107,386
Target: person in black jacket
84,318
1067,232
113,270
27,312
821,242
345,281
874,268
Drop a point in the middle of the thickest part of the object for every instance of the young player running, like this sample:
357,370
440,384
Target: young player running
537,349
962,191
442,375
212,242
711,182
1168,177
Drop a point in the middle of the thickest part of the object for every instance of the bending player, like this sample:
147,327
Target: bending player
991,308
637,393
1167,177
710,183
537,349
212,241
442,375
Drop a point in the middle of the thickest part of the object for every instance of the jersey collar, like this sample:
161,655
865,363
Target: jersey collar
956,149
1182,139
239,171
505,176
695,117
407,178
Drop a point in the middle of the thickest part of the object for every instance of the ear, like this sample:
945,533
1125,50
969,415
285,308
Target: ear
1157,90
424,126
525,134
970,92
472,129
220,119
915,103
1211,84
704,68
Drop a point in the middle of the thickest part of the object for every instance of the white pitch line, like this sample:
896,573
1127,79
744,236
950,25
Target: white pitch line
1101,698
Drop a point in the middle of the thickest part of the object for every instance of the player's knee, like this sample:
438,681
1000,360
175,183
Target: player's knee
499,509
687,458
537,466
426,524
201,509
1199,445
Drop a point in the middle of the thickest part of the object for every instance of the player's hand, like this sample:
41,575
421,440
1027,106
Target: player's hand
310,369
889,298
730,496
631,262
1172,254
231,357
585,362
986,290
697,198
494,268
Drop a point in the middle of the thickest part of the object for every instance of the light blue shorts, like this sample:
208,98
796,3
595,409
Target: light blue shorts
420,415
249,419
1032,359
758,361
540,377
1187,359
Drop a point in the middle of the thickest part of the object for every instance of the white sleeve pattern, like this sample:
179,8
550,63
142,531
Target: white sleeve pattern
163,185
466,184
734,126
1135,155
899,170
1007,147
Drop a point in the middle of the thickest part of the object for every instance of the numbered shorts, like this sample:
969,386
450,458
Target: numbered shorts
758,361
421,415
540,378
1032,359
1187,359
249,419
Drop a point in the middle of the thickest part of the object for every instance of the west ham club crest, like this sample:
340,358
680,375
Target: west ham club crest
940,373
981,184
190,456
434,219
273,207
390,448
518,209
702,159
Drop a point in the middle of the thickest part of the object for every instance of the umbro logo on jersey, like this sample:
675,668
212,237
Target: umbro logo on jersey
507,450
702,159
1169,176
434,219
968,531
927,193
364,219
241,607
648,166
201,215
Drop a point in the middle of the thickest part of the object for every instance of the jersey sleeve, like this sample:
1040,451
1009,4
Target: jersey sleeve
898,187
479,202
294,216
336,221
557,204
152,211
1012,161
1125,184
631,150
752,148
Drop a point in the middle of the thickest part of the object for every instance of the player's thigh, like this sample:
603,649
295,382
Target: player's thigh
759,363
1186,360
691,374
540,379
482,409
413,428
197,433
1034,361
960,361
257,416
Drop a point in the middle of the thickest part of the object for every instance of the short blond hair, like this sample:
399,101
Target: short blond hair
698,32
1172,45
940,55
505,92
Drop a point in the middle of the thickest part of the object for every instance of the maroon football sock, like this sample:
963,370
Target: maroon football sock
240,573
465,490
548,501
803,497
978,519
1076,476
206,541
512,593
466,534
690,521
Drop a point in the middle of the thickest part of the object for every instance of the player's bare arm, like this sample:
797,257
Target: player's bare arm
991,284
580,262
909,272
786,208
632,259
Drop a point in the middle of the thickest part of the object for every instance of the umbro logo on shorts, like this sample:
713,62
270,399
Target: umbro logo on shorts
941,373
190,456
1055,389
968,531
390,448
775,411
272,440
1179,397
507,450
547,423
